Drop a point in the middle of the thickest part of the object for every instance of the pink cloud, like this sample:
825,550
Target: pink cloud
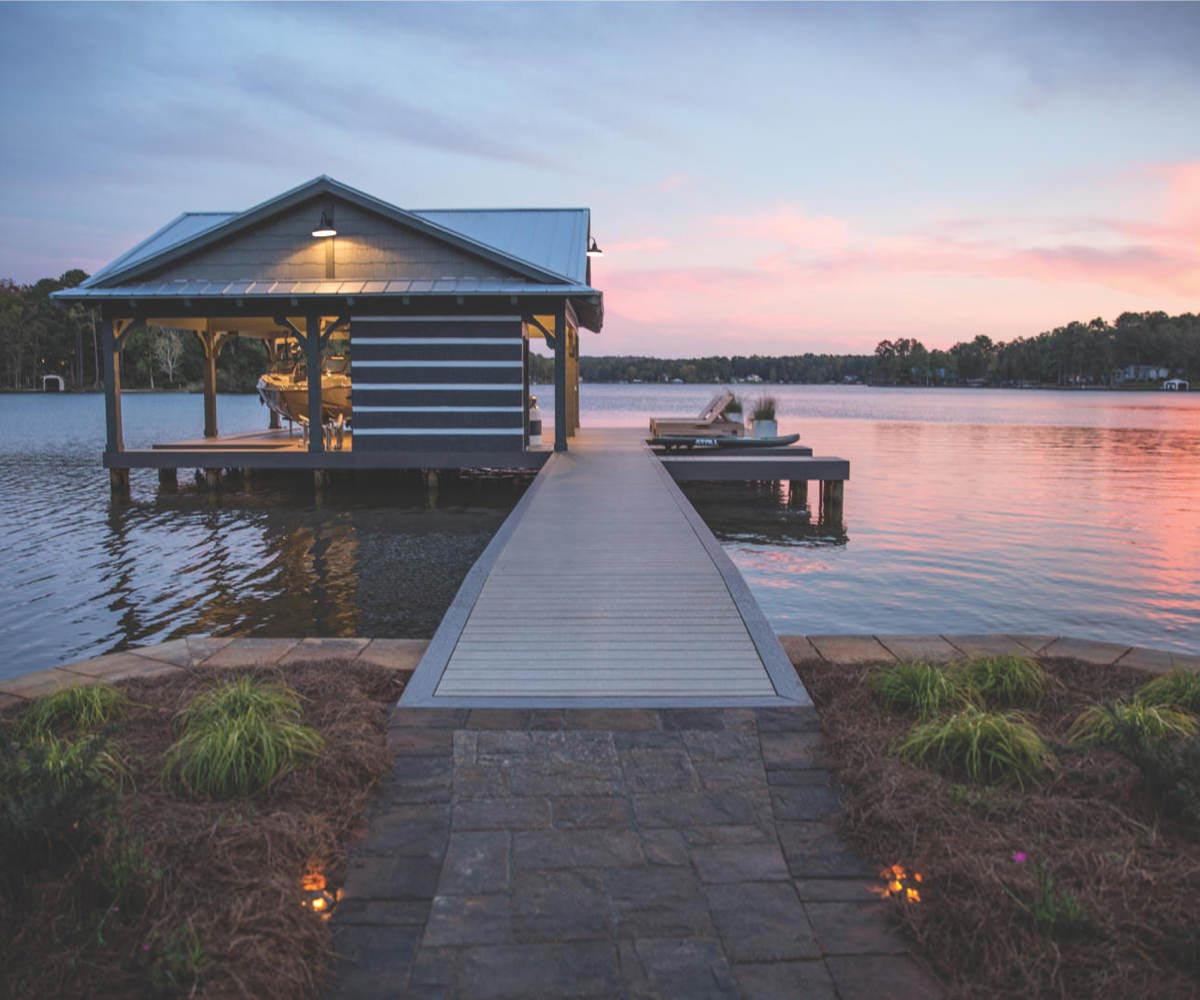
789,225
788,280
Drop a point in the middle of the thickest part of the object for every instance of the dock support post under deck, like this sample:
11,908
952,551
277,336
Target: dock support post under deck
833,494
118,480
431,489
167,479
212,478
798,493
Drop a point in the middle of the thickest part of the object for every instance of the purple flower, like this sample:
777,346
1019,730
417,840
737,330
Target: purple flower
145,947
1019,857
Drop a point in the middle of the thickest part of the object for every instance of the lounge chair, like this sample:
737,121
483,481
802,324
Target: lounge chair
710,423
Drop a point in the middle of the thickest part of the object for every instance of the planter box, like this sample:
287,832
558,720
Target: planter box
766,428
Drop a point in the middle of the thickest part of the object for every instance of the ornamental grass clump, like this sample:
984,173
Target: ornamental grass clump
1131,726
237,739
80,709
986,747
764,408
917,686
1006,680
1178,689
733,408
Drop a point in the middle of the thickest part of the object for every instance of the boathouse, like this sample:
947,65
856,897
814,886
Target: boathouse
436,308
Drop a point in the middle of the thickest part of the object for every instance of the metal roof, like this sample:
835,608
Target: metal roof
550,238
182,227
546,247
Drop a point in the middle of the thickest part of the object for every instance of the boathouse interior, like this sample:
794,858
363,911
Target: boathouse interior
434,310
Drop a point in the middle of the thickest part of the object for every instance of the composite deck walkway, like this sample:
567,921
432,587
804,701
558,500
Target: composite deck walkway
604,587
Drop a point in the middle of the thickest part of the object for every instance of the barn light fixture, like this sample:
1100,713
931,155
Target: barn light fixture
593,249
324,227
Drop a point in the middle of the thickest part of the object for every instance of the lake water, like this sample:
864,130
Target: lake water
967,511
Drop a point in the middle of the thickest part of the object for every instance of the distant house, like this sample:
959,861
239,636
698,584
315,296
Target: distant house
1142,373
1176,385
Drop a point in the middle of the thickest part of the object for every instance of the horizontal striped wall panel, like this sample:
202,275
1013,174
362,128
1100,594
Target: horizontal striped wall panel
440,418
434,374
458,396
392,327
388,350
438,384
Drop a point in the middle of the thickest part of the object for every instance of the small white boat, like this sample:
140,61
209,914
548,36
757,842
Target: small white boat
285,390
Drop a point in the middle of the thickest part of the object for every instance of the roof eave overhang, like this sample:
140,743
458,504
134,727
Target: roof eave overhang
587,302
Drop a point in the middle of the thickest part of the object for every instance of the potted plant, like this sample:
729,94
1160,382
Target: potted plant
765,425
733,410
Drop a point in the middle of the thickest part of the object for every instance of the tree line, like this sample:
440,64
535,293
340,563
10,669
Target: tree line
39,337
1078,354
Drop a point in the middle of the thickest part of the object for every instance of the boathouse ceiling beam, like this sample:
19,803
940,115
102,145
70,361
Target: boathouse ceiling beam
550,338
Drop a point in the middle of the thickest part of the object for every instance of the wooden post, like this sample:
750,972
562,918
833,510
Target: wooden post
798,493
272,356
312,358
431,489
118,480
833,494
209,347
561,430
167,479
114,438
572,381
212,478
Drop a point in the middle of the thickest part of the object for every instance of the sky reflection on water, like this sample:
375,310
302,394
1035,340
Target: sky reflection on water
967,511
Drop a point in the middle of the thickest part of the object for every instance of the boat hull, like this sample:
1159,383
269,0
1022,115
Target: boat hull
289,398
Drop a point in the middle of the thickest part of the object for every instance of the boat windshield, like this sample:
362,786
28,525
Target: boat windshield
337,365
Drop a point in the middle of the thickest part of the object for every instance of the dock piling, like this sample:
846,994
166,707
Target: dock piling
118,480
798,493
167,479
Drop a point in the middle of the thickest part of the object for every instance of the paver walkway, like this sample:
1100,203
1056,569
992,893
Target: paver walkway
683,853
604,587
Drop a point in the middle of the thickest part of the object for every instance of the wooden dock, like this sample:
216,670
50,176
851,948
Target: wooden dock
604,588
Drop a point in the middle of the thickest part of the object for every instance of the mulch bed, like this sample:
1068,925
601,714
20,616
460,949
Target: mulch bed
1089,822
227,875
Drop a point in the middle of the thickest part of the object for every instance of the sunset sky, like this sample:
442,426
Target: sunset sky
762,178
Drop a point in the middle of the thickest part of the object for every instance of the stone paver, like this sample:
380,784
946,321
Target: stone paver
648,854
394,654
120,666
1034,643
932,648
851,650
308,650
251,653
1154,661
798,648
43,682
987,645
1102,654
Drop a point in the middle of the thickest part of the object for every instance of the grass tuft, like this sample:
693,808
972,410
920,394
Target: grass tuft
1130,726
1006,680
917,686
984,746
1178,689
80,709
238,738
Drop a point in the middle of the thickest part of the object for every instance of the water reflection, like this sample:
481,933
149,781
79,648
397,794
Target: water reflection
971,511
766,513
